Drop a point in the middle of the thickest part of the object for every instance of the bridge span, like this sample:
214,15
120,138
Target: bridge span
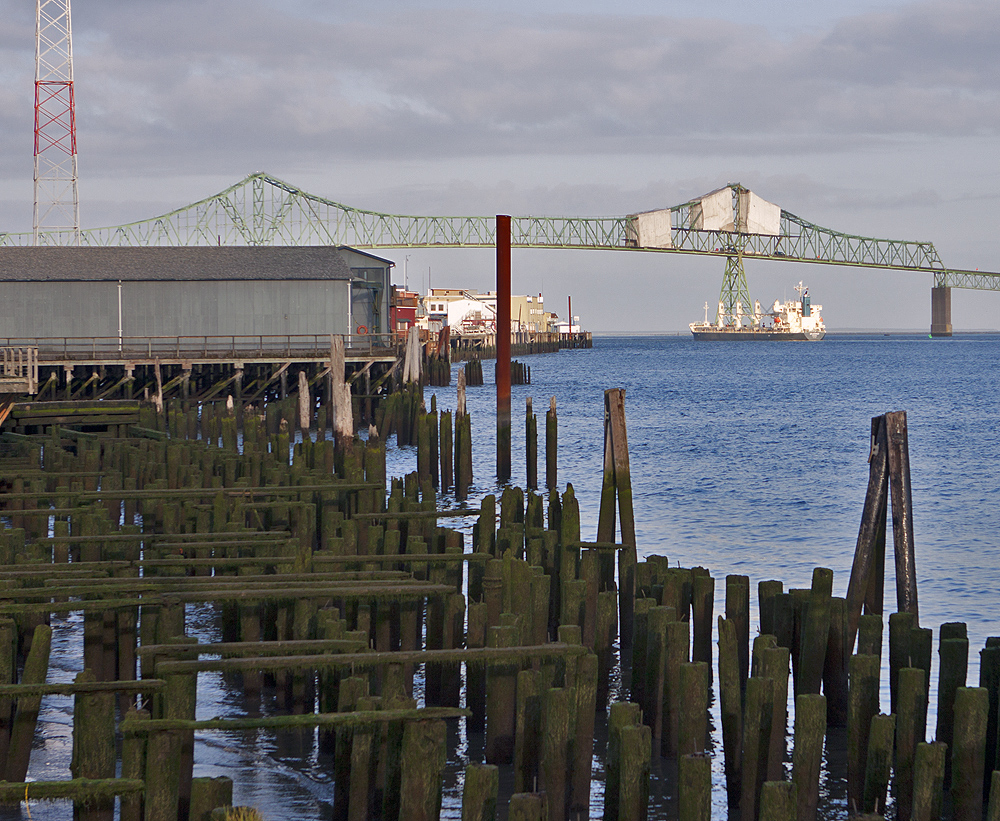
731,222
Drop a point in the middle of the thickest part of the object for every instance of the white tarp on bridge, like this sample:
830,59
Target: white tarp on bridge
758,216
650,229
714,212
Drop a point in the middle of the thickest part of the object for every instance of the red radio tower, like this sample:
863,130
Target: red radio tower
57,205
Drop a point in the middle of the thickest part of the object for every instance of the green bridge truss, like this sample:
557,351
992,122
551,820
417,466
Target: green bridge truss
263,210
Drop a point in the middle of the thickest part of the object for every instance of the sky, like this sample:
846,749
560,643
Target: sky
871,117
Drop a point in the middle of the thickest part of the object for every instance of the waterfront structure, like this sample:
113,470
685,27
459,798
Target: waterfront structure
53,292
403,309
470,313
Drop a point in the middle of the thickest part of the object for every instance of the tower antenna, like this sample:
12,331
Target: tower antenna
57,204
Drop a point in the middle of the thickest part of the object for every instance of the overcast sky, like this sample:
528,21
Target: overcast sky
871,117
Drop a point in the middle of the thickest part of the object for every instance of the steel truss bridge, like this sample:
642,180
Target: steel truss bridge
263,210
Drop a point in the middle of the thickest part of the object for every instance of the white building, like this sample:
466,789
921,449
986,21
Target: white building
470,313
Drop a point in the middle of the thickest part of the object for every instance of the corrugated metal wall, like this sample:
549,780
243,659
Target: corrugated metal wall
84,309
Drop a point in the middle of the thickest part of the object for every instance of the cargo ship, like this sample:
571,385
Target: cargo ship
796,319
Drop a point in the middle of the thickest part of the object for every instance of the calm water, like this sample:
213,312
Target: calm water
746,458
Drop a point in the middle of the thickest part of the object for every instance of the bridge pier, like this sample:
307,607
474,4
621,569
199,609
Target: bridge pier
940,311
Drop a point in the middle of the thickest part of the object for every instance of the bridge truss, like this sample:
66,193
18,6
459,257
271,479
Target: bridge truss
263,210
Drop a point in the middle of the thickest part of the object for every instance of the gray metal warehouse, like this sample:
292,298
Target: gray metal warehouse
50,292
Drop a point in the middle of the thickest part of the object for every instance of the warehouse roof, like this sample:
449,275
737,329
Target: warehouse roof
174,264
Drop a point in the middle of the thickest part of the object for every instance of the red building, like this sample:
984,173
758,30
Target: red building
403,310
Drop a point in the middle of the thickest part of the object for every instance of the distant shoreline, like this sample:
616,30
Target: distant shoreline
842,332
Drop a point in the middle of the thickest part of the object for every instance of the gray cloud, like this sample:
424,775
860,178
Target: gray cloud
238,83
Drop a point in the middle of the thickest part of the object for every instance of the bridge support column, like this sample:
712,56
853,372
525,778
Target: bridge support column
940,311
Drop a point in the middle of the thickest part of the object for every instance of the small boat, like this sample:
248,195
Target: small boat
796,319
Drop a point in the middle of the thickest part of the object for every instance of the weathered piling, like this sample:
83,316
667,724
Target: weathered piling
810,730
633,794
815,633
862,708
953,650
557,737
479,793
22,732
528,807
732,709
622,714
423,760
93,747
738,613
692,735
501,713
694,787
910,730
756,744
968,754
551,446
879,762
928,781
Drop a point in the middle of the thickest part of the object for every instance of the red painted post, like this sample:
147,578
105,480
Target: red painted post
503,347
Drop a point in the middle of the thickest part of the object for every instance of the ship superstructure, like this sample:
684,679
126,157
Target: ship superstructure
794,319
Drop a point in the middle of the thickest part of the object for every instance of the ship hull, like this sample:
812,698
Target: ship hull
716,335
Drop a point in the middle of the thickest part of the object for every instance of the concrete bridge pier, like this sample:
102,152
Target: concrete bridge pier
940,311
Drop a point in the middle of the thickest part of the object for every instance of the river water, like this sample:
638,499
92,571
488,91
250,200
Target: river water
745,458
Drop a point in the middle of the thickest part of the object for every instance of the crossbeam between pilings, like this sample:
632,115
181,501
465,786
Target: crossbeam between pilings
198,379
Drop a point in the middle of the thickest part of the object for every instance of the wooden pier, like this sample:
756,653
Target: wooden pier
198,368
337,591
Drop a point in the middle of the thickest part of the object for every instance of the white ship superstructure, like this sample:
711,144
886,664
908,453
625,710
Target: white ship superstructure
791,319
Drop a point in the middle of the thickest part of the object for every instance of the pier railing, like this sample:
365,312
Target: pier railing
20,365
131,348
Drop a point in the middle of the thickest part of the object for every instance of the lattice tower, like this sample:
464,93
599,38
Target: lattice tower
57,204
734,297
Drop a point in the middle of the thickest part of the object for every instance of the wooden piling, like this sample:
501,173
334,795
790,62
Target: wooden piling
774,665
501,678
863,707
22,732
928,781
622,714
423,760
633,795
551,445
879,762
807,757
993,810
526,806
779,801
910,728
134,766
968,753
694,787
528,727
93,747
756,743
557,736
738,613
479,793
692,736
731,708
702,606
815,633
952,674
